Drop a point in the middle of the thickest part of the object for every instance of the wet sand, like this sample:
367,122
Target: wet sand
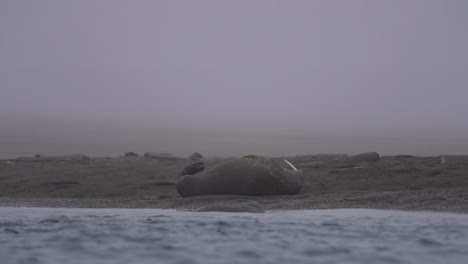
394,182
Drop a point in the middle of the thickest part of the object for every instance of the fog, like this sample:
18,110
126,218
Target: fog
233,77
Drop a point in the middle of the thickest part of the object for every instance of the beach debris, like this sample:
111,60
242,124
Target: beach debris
130,154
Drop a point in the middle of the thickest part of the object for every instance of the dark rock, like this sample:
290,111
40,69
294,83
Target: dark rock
131,154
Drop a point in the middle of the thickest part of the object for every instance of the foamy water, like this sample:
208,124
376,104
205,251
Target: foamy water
40,235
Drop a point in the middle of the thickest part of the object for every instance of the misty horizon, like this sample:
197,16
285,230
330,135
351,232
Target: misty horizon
233,77
115,138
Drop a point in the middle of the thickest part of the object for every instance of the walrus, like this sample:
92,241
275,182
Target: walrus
249,175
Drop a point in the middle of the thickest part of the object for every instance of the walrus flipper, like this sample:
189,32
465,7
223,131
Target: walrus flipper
193,168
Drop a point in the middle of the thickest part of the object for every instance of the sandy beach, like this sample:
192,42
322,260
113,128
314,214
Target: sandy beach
394,182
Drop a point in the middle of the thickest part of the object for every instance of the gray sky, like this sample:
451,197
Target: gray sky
311,71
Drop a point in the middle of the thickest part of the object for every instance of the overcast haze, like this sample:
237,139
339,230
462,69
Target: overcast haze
233,77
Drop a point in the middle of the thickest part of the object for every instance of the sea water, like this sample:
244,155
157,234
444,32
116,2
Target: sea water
49,235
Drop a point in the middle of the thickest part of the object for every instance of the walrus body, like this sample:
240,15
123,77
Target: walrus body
251,175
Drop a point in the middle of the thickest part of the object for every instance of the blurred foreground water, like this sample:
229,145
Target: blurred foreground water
57,235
